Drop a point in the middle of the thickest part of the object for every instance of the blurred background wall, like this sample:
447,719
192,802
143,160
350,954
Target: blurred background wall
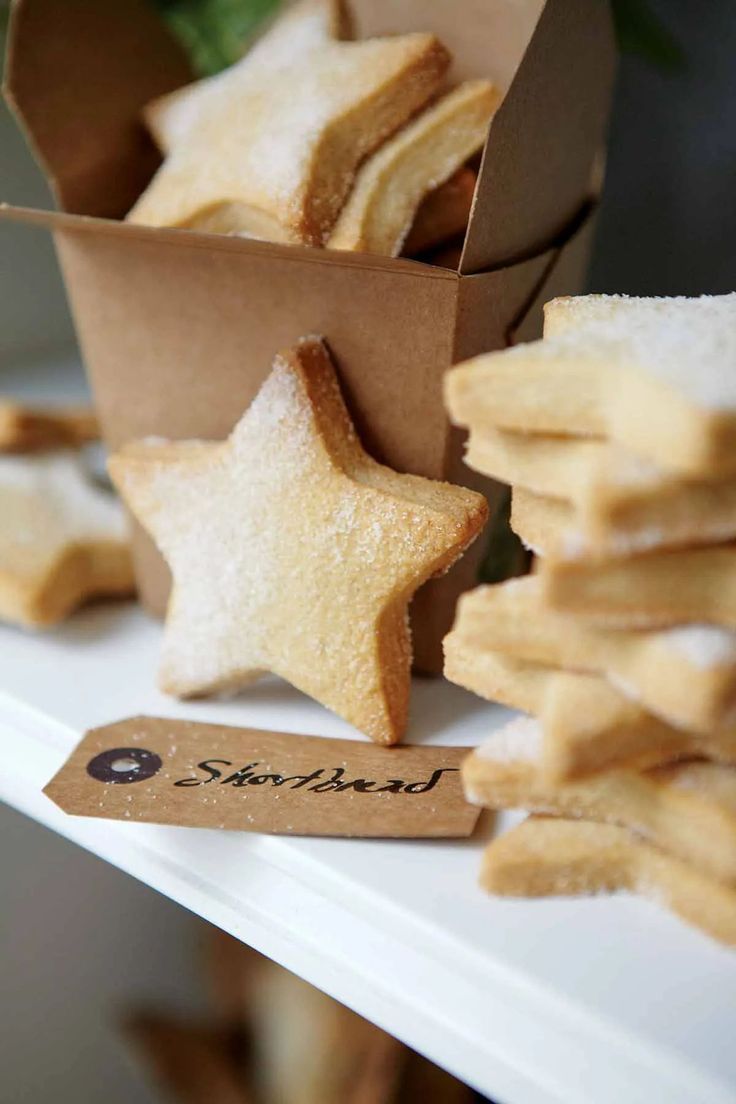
80,946
668,220
76,938
34,316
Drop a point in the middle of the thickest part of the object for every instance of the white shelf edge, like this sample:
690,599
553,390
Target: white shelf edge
484,1034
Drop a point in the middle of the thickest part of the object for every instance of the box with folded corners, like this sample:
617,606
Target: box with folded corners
178,328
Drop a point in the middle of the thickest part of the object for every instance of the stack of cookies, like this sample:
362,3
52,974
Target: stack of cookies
617,434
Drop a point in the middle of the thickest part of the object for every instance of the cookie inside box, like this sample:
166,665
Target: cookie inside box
178,328
78,80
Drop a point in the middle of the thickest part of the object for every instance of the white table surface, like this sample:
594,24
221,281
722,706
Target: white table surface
582,1001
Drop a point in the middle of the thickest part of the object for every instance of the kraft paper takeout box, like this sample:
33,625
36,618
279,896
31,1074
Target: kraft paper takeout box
178,328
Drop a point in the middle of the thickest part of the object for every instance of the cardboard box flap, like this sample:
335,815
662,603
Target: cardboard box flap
221,243
556,63
487,38
77,75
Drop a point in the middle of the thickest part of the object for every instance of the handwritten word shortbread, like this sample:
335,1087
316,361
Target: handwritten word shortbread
292,551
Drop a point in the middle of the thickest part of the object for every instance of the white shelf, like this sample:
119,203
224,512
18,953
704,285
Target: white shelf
572,1002
607,1001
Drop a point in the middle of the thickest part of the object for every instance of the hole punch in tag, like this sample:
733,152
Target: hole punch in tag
162,771
119,766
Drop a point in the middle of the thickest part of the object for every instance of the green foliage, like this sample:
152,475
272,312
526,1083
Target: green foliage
505,554
215,32
4,15
640,31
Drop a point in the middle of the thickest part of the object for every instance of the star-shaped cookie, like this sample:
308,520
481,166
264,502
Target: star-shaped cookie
292,551
270,147
63,540
656,376
555,857
28,429
304,26
391,185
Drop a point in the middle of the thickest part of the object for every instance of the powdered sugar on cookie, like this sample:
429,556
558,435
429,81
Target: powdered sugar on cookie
519,741
270,147
292,551
688,344
63,539
704,646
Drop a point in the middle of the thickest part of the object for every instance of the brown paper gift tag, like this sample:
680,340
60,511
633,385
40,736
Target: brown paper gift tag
214,776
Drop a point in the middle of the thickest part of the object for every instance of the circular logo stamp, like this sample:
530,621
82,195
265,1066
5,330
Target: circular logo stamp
122,765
